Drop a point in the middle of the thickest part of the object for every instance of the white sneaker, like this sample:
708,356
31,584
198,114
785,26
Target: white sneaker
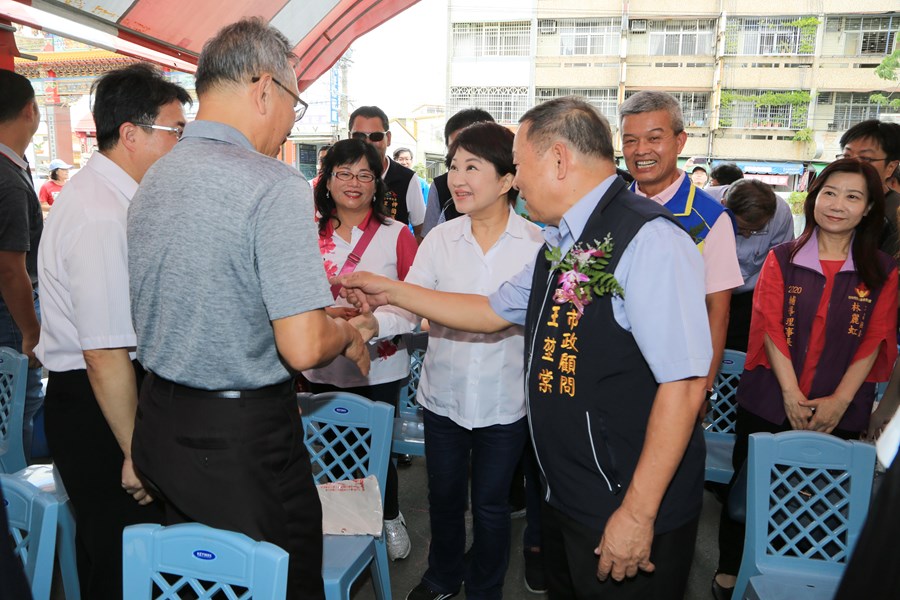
397,538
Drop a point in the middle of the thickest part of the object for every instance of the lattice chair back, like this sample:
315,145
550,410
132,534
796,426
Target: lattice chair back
32,528
194,561
416,345
723,406
347,436
807,498
13,372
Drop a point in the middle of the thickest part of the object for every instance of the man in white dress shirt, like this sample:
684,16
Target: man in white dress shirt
87,341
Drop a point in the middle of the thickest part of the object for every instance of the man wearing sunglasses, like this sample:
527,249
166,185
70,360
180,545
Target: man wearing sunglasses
87,339
404,196
878,144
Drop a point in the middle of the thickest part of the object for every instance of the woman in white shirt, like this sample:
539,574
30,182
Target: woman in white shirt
349,198
471,384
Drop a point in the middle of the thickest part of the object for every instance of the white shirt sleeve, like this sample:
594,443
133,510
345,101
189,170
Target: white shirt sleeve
97,268
415,203
393,320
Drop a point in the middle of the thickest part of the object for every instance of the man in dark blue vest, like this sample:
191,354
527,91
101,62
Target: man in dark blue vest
618,293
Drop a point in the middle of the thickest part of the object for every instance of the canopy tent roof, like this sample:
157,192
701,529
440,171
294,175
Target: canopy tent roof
172,32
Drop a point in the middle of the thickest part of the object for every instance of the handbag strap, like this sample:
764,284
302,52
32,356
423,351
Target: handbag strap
357,253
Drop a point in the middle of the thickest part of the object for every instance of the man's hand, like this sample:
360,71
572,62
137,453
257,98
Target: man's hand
365,291
28,344
877,422
625,546
356,350
797,413
827,412
341,312
131,483
366,324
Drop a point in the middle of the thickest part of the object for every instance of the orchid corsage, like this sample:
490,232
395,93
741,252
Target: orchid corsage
582,273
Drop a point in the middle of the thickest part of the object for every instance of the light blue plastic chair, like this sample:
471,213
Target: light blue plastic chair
409,426
718,425
13,374
349,437
191,560
32,527
807,497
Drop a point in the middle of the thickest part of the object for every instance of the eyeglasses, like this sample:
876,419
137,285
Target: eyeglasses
178,131
299,105
865,159
362,176
750,232
375,136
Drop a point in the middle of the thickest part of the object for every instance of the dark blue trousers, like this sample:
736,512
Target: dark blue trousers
492,454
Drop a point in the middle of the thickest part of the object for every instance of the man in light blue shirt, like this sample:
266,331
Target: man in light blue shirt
566,171
763,221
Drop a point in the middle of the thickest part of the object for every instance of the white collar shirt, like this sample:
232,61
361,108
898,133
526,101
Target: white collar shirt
83,267
474,379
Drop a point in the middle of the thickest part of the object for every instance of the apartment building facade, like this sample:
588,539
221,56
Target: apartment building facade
758,80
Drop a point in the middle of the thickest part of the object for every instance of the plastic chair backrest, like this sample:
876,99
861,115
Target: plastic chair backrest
347,436
723,406
13,374
418,342
191,560
808,495
32,526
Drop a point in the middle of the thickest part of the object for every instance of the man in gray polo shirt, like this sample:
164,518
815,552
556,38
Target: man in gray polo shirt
226,308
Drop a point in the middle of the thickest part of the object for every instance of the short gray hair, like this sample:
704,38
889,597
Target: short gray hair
649,101
572,119
241,51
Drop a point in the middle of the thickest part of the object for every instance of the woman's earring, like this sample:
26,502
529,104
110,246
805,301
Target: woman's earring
328,194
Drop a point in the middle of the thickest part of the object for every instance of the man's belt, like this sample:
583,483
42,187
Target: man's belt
271,391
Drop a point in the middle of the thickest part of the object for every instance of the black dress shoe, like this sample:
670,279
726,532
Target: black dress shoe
719,592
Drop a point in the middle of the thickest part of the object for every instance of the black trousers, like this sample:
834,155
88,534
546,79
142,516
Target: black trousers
568,549
89,461
13,583
237,464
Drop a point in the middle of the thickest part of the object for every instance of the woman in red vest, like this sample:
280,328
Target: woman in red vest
823,330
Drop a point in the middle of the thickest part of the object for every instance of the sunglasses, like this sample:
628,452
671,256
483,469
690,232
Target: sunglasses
375,136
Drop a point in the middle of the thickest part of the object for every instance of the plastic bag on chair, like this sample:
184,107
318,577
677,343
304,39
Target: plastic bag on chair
351,507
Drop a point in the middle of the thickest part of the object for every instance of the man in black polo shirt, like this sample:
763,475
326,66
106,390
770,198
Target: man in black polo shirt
404,196
21,224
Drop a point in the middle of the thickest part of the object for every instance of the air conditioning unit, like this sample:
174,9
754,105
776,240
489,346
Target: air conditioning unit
637,25
546,27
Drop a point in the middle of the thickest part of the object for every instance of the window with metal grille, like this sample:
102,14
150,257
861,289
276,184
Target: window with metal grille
761,109
505,103
851,108
694,106
682,37
578,37
760,36
473,40
604,99
863,35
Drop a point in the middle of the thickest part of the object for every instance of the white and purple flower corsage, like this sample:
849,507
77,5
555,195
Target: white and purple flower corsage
582,273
